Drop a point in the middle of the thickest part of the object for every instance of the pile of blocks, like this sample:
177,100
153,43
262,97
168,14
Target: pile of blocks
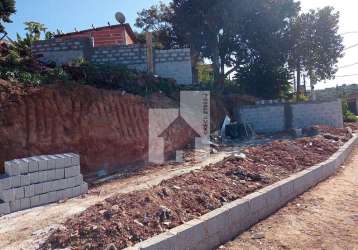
40,180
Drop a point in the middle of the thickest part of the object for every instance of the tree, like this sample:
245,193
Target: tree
316,45
22,46
234,34
7,8
156,19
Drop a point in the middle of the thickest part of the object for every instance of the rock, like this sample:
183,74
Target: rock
240,156
111,247
138,223
176,188
115,208
258,236
164,213
213,151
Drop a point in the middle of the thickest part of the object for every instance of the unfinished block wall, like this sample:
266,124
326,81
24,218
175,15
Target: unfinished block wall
270,118
172,63
40,180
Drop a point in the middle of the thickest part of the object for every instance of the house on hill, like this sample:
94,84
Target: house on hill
120,34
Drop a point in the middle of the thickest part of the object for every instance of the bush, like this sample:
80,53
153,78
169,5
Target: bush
348,116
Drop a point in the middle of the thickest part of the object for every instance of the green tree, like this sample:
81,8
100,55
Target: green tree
156,19
7,8
22,46
234,34
316,45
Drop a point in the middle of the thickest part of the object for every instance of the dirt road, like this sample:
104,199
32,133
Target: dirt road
26,229
324,218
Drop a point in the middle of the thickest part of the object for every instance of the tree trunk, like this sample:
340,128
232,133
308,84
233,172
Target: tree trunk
298,69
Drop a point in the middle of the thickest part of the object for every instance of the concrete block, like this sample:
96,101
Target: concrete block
29,191
72,171
75,159
4,208
35,201
42,176
273,198
161,242
59,162
34,177
47,187
60,195
7,195
25,180
15,205
5,182
74,181
25,203
286,190
39,188
16,181
51,175
77,191
68,193
217,224
19,193
239,216
67,159
59,174
44,199
189,234
48,163
11,168
52,197
34,163
23,165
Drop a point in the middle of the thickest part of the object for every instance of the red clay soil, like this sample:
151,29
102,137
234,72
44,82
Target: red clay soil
124,220
109,129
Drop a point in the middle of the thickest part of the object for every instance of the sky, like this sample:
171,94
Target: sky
66,15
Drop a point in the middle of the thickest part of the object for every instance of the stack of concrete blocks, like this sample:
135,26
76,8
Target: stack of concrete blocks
40,180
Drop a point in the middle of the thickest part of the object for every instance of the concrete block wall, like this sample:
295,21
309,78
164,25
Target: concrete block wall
173,63
40,180
264,118
308,114
270,118
133,56
60,52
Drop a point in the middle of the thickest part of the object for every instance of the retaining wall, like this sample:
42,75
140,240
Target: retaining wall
173,63
270,118
223,224
36,181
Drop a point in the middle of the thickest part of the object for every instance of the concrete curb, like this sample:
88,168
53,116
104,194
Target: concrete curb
225,223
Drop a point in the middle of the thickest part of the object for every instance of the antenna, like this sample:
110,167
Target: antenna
120,17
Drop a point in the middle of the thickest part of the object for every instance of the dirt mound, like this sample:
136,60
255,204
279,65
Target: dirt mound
130,218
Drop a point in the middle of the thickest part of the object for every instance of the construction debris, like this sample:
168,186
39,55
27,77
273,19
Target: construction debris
138,216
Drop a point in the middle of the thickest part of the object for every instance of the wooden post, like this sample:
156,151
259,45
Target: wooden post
150,61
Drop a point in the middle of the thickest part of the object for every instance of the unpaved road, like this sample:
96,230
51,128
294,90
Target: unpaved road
324,218
26,229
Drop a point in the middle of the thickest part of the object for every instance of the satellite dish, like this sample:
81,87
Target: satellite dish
120,17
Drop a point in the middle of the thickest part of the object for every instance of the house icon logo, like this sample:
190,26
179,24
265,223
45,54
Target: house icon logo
194,111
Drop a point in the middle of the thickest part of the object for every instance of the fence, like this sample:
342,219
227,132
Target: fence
270,118
172,63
